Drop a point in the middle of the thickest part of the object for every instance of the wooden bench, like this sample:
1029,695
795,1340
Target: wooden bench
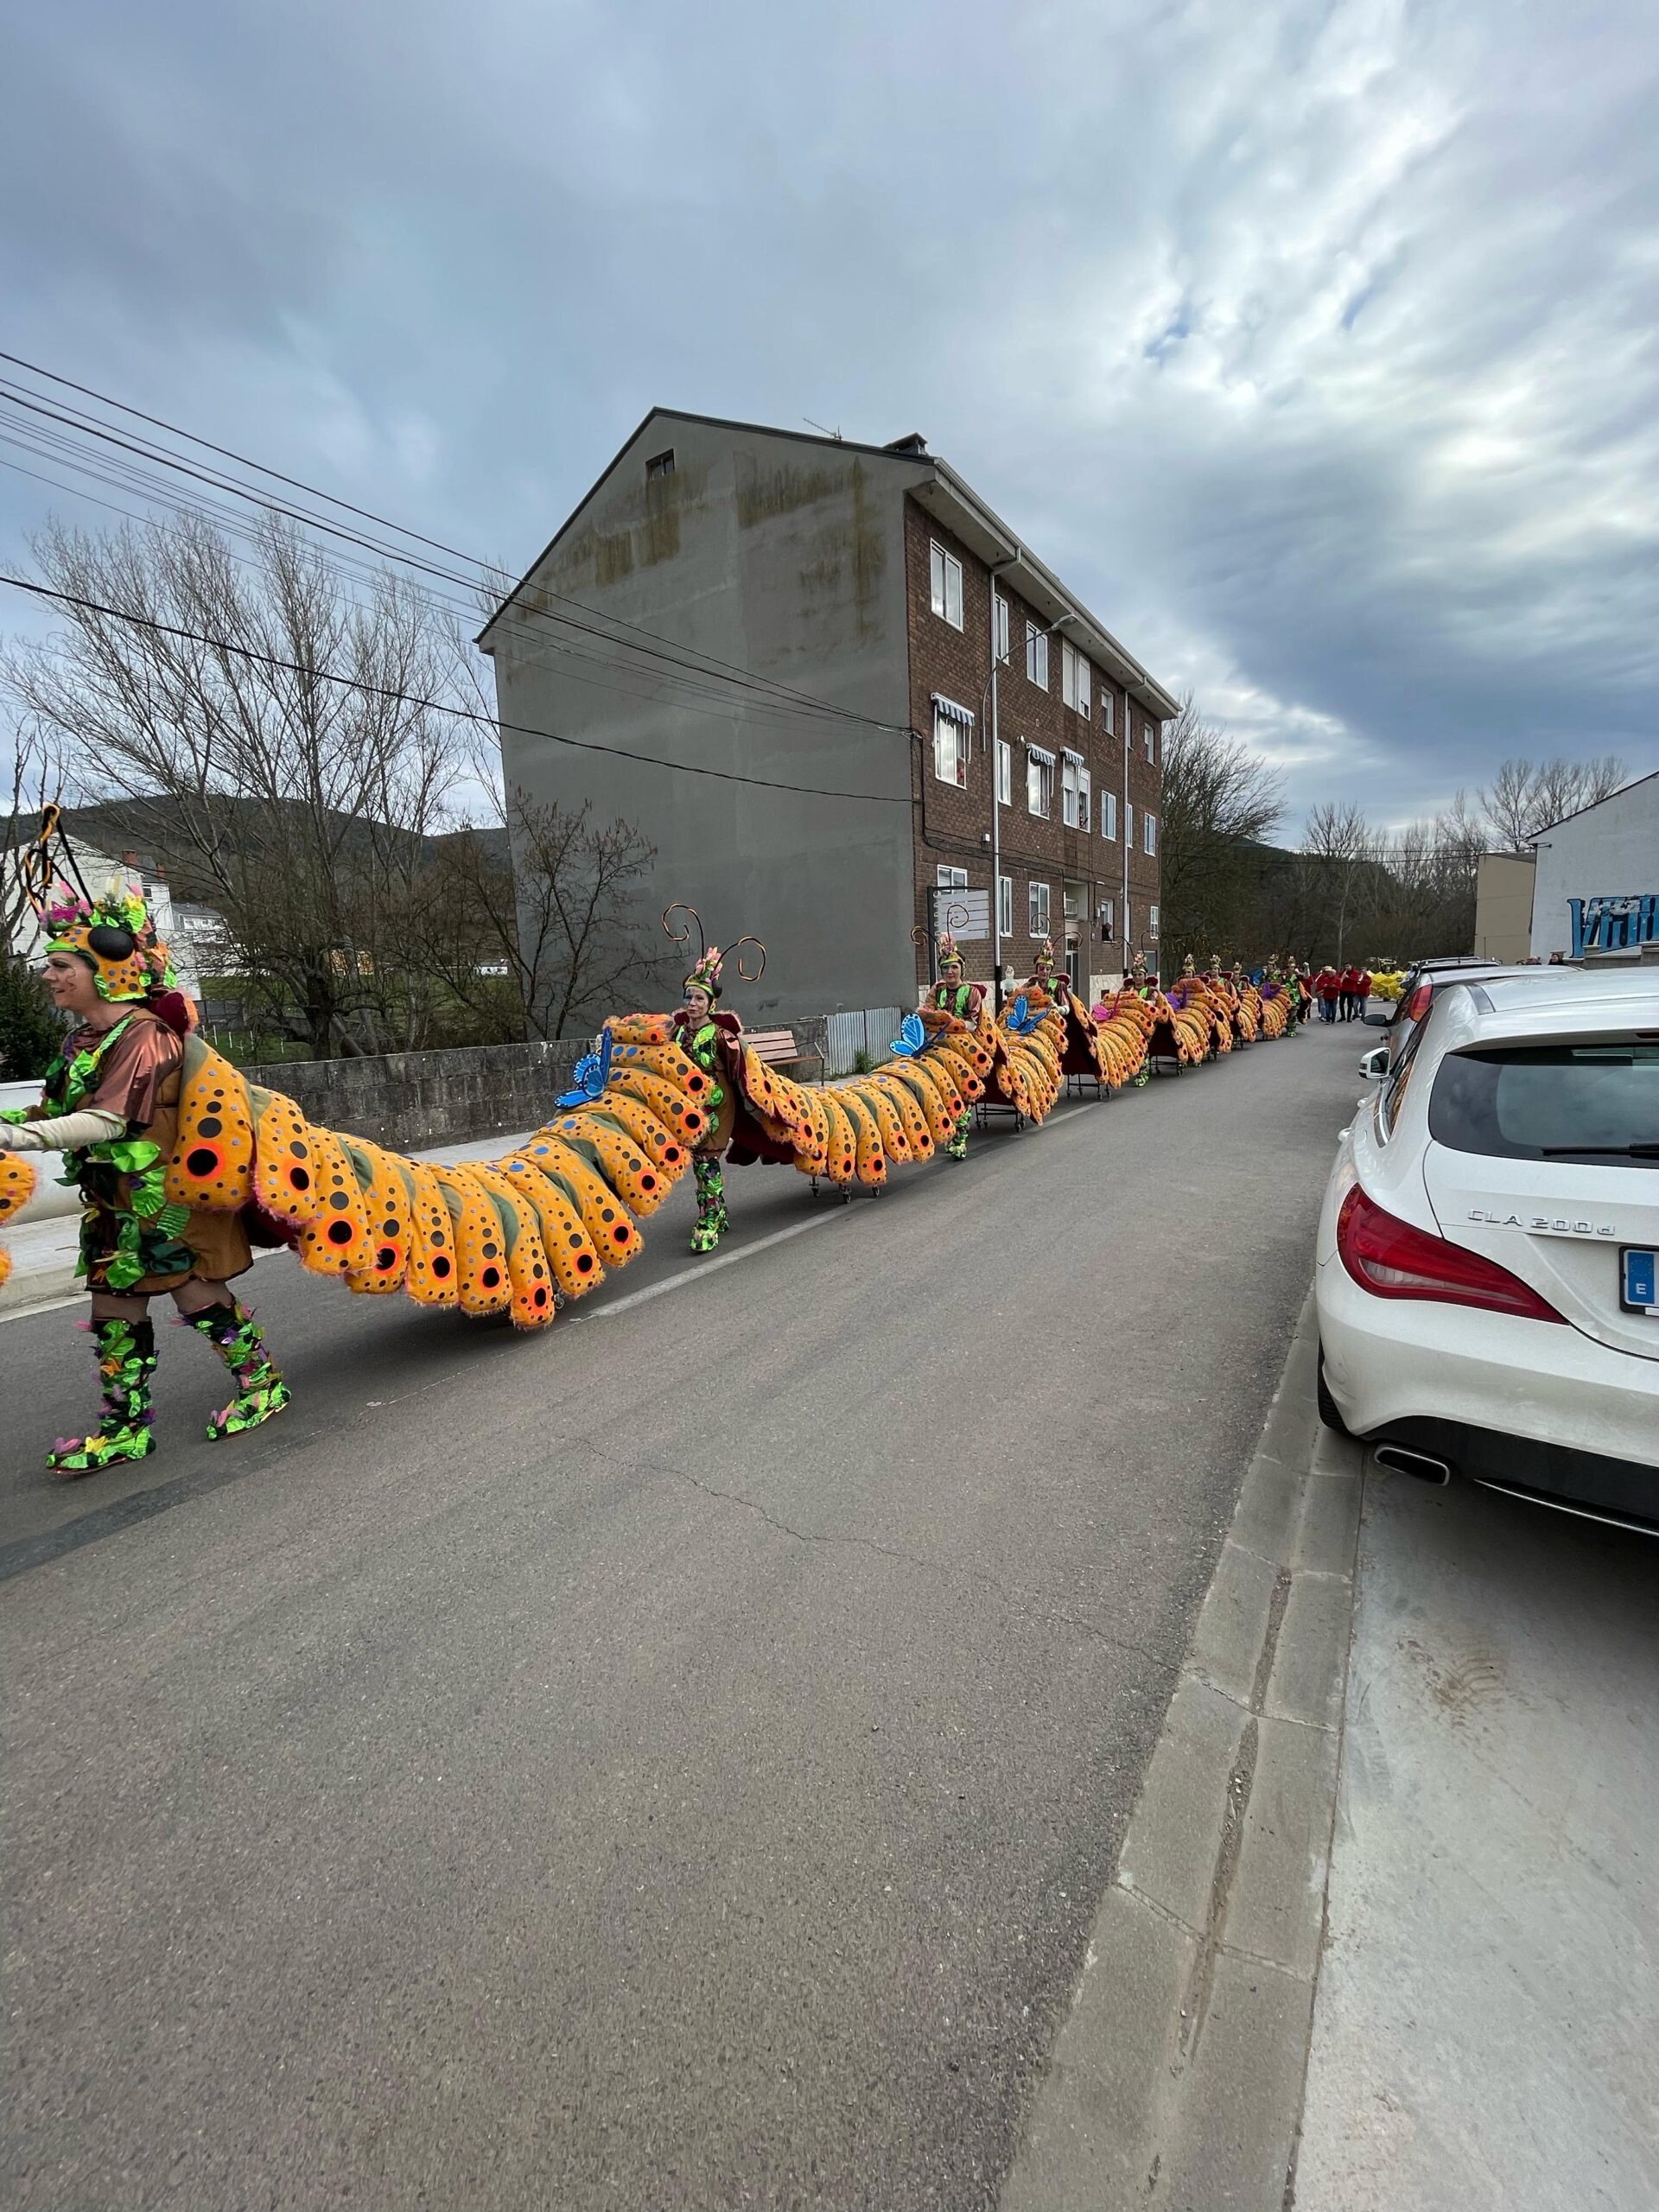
779,1049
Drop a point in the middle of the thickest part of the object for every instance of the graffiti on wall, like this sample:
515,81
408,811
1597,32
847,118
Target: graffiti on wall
1610,922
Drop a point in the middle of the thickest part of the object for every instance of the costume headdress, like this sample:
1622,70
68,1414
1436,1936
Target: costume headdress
114,933
707,971
1046,952
948,949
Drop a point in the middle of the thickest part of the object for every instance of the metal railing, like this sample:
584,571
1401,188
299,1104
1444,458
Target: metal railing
871,1032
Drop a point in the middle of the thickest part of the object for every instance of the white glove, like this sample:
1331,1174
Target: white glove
67,1132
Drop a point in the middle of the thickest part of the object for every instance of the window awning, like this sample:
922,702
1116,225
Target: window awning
1076,759
1037,753
951,711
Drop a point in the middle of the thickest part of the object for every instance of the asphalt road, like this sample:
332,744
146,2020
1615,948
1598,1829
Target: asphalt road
671,1761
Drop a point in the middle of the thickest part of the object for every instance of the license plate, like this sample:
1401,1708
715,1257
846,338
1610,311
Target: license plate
1639,1280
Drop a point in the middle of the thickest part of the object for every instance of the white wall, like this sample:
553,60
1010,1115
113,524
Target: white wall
1609,851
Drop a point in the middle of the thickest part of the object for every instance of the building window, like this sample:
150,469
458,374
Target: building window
1000,617
951,879
1039,783
953,728
1085,800
1005,906
1149,827
1077,678
660,464
1037,909
1108,814
1004,773
1071,811
1107,911
1152,743
1129,824
1107,709
1152,922
945,577
1037,656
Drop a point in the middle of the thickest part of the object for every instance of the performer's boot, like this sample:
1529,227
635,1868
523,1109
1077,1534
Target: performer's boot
126,1362
1142,1075
957,1142
711,1223
260,1390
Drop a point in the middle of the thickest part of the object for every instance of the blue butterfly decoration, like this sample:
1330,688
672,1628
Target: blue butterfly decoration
1021,1018
910,1038
593,1073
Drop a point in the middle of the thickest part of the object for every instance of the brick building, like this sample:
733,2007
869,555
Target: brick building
777,612
1076,759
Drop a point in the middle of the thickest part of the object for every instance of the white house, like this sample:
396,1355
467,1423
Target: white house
1597,887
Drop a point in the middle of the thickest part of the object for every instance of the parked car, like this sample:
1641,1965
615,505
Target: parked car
1424,984
1487,1248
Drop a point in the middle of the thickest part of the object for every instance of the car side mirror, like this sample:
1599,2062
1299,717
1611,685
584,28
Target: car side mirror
1375,1065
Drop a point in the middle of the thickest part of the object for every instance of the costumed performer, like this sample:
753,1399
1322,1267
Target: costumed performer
109,1104
707,1034
950,994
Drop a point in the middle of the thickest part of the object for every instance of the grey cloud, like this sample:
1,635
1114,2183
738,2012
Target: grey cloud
1313,342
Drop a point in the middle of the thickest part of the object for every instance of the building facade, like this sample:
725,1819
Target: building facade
1597,884
1503,886
773,654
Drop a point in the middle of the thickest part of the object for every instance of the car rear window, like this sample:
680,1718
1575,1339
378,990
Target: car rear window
1595,1102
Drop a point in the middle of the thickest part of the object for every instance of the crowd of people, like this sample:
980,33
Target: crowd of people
1342,992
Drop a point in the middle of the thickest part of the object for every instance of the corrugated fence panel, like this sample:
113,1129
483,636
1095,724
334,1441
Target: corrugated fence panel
870,1031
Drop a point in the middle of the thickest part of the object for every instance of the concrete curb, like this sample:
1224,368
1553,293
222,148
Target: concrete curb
1177,2080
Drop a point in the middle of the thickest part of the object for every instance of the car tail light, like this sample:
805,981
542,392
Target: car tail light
1420,1002
1391,1259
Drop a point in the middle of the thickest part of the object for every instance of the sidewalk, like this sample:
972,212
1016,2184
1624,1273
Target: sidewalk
1487,2016
43,1251
1385,1921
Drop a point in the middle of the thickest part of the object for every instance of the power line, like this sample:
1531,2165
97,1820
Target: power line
767,698
691,693
125,474
714,663
438,706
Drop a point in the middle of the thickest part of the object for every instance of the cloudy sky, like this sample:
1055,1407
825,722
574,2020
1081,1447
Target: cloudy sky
1313,344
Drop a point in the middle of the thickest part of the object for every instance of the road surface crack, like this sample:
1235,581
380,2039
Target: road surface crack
1029,1603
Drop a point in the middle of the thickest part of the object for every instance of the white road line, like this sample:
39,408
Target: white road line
707,1267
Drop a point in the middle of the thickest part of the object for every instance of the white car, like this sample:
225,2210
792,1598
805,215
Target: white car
1486,1277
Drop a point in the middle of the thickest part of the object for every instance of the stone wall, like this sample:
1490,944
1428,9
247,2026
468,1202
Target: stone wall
409,1102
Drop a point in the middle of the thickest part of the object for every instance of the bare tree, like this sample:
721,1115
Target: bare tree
552,926
1339,841
300,807
1522,799
29,1031
1219,798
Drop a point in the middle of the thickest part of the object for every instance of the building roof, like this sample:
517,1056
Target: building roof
948,497
1623,791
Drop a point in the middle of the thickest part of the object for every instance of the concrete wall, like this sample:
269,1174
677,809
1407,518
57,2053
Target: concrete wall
1609,851
411,1101
1503,886
776,556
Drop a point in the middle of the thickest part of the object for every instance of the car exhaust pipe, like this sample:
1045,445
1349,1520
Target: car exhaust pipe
1404,1461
